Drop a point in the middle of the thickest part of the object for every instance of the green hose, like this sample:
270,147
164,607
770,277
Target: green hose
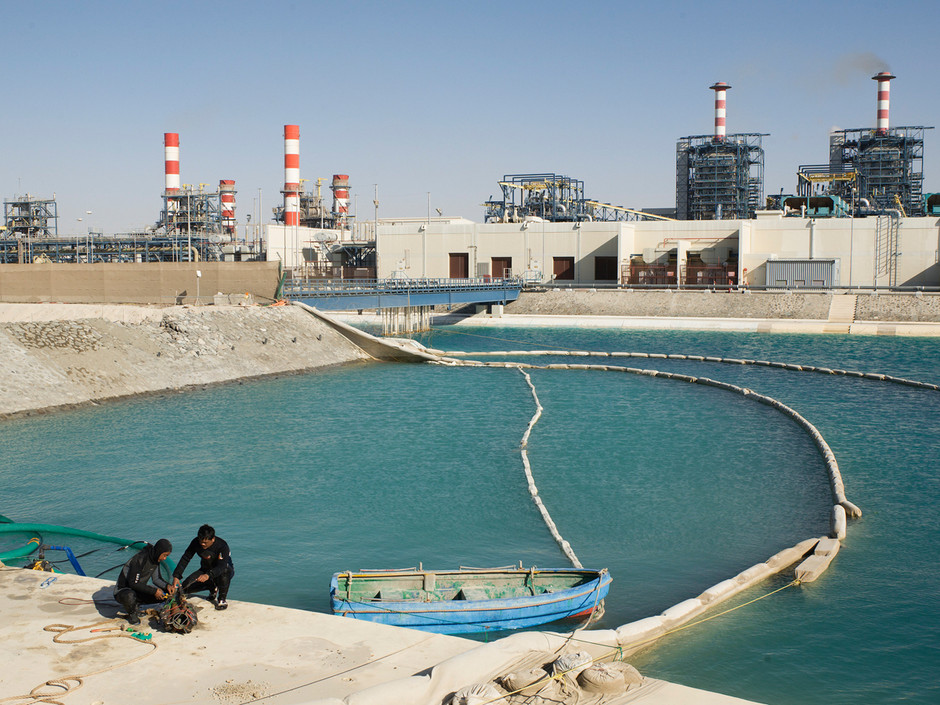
14,528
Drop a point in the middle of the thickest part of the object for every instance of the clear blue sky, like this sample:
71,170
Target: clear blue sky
436,97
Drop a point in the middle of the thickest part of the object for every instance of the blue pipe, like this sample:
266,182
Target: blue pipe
71,556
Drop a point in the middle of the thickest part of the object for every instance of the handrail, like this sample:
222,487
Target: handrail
349,287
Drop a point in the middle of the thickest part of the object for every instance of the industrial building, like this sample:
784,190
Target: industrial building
861,219
869,170
858,221
719,176
707,254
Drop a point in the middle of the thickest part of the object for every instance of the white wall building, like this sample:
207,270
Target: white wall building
862,252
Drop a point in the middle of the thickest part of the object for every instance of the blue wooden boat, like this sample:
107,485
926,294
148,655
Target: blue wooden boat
469,599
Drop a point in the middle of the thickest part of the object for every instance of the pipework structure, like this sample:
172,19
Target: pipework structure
553,198
28,217
719,176
315,213
193,211
889,160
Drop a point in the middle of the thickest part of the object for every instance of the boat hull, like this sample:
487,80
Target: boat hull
461,616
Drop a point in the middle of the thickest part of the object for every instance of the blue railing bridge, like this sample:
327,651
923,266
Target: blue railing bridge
358,294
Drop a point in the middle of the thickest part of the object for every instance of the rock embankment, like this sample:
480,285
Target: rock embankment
54,355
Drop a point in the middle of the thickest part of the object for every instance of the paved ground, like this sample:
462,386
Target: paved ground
248,653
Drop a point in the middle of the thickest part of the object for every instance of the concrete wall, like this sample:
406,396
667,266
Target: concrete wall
418,250
139,283
292,247
672,304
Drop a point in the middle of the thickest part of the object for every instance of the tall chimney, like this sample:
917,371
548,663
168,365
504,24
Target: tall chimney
340,198
291,175
720,89
171,158
227,197
884,100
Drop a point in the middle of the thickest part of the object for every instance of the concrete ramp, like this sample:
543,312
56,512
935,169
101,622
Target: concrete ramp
387,350
841,313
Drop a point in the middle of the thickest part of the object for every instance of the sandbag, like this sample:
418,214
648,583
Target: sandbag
609,678
478,694
571,664
527,682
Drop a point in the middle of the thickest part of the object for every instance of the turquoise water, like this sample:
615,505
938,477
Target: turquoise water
672,486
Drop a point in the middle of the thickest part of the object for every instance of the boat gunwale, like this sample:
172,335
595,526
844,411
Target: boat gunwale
489,605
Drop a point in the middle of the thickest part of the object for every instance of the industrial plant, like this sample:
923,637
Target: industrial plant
843,224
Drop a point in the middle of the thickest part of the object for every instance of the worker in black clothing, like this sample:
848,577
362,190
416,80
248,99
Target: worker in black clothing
132,589
215,569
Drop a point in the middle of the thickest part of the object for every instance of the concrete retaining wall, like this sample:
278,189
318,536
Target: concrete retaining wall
671,304
136,282
898,307
742,305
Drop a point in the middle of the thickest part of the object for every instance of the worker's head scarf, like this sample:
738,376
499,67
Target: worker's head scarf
160,547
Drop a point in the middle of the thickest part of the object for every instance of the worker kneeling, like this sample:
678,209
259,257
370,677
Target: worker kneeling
215,569
132,587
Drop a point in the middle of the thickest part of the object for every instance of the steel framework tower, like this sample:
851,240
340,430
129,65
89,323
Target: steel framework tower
719,176
30,217
889,161
719,179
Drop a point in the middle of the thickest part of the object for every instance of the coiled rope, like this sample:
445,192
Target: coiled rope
55,688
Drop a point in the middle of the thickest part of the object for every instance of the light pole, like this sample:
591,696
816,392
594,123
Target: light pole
852,238
375,202
258,229
89,242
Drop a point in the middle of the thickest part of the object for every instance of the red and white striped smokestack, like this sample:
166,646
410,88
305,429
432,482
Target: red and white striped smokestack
227,197
291,175
720,89
884,100
340,197
171,158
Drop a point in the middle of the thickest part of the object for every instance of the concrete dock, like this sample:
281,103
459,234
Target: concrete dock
248,653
